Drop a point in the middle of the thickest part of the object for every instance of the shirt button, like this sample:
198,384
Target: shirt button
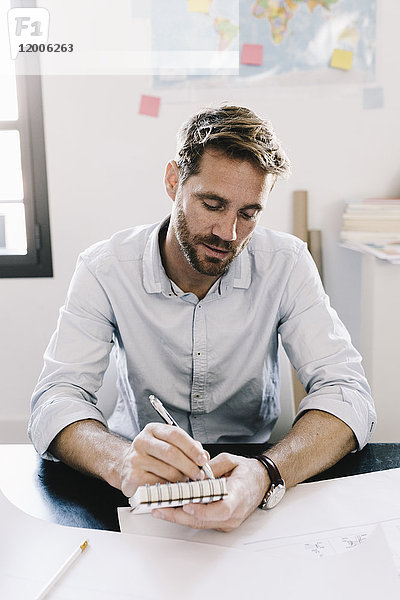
197,395
199,354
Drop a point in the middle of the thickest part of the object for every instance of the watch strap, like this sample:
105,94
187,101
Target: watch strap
272,469
276,490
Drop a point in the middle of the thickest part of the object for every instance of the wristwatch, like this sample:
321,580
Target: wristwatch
277,489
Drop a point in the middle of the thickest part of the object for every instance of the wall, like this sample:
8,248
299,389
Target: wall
105,171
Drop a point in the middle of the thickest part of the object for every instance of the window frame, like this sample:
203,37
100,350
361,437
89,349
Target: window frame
37,262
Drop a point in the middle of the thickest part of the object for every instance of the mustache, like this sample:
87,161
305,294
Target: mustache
216,242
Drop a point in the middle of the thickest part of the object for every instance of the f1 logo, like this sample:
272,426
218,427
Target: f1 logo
27,25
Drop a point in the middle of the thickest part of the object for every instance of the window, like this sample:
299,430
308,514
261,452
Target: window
25,249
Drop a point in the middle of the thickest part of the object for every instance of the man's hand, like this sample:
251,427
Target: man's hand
315,443
247,482
161,453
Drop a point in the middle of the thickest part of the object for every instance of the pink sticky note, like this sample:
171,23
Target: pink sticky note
252,54
149,105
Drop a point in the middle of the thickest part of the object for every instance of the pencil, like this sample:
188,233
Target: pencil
62,570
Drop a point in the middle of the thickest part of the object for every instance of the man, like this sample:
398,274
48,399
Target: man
194,306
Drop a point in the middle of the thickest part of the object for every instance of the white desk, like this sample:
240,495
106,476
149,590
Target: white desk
326,519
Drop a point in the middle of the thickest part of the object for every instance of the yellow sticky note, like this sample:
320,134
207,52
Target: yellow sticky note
342,59
200,6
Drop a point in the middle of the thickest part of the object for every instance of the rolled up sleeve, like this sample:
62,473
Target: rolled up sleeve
319,347
74,361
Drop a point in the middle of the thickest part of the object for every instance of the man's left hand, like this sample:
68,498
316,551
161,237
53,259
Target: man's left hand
247,482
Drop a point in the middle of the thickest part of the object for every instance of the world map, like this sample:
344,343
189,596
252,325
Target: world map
297,36
176,27
279,14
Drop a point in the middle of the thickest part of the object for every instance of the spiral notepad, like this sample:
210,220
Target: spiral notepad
162,495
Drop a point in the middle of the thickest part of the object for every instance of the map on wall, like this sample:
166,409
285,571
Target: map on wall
301,35
202,25
206,30
298,37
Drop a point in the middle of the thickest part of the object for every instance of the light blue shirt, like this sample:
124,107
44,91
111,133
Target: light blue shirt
213,362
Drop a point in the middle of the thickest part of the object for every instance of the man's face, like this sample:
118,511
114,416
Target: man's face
216,211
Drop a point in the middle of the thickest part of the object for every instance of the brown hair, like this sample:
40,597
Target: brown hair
235,130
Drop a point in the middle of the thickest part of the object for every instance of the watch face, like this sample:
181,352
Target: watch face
275,495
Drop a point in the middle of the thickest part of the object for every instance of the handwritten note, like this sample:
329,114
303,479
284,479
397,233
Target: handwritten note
342,59
252,54
149,105
372,97
200,6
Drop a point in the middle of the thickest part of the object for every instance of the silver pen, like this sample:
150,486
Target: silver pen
164,414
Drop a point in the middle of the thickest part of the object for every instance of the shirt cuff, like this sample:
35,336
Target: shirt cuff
348,406
53,416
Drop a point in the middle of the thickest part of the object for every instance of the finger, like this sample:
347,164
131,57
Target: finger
167,458
162,442
164,470
210,518
223,464
212,513
181,439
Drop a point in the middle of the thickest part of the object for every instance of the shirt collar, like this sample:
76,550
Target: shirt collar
155,279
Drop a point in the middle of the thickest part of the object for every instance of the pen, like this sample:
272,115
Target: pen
62,570
164,414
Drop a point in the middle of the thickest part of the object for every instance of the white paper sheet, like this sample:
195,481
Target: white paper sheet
122,567
311,508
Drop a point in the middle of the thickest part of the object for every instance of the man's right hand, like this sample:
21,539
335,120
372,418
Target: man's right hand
161,453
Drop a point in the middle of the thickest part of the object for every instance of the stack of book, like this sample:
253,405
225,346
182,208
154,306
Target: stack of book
373,226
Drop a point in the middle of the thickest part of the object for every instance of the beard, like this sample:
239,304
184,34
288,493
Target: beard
208,265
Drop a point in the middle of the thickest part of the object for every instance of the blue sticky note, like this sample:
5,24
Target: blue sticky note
372,97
